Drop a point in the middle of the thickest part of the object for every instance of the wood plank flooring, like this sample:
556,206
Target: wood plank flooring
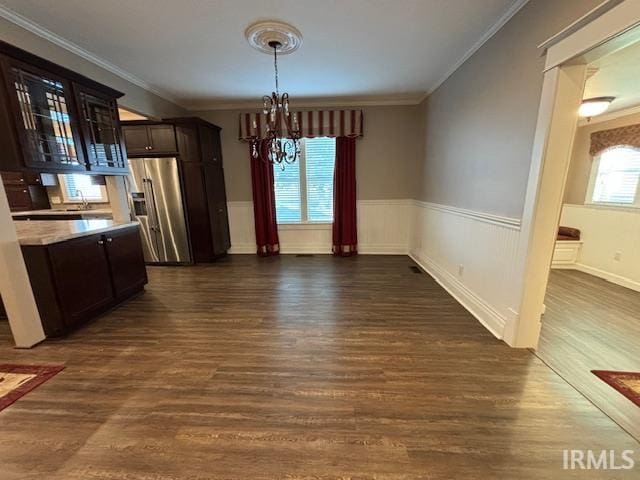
295,368
591,324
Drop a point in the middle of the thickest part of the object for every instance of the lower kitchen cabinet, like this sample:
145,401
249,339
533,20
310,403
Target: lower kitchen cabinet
75,280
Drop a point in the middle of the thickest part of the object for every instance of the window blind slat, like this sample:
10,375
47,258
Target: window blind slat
287,189
319,160
617,177
74,182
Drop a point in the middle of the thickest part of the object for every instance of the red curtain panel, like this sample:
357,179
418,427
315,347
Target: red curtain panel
345,234
264,203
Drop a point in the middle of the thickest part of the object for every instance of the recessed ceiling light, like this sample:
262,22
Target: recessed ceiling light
591,107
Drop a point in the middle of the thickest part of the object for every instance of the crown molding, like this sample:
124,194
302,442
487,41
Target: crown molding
506,16
606,117
328,102
56,39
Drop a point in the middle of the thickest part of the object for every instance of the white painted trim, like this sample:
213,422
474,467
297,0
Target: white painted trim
606,117
587,18
56,39
608,276
610,25
304,226
605,206
511,11
482,311
510,222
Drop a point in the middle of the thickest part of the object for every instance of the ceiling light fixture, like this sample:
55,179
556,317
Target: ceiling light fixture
592,107
281,139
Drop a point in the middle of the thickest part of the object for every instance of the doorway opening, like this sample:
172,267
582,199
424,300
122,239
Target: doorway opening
591,311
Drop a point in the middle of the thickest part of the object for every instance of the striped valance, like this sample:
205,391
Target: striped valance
312,123
616,137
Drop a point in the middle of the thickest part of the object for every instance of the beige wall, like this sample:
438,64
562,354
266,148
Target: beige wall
135,98
481,121
388,156
580,168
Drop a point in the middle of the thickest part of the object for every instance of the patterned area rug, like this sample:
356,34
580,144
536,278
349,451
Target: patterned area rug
18,380
627,383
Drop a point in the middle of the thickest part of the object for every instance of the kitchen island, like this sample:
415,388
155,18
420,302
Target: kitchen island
80,268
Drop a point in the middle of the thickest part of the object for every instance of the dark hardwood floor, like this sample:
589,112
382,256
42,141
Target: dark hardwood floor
295,368
591,324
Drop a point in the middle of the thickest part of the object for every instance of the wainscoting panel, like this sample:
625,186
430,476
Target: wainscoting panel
383,228
472,256
610,242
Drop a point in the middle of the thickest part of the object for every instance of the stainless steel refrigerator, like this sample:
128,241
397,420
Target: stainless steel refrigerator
156,200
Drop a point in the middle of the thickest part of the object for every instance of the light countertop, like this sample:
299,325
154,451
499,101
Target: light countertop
45,232
97,213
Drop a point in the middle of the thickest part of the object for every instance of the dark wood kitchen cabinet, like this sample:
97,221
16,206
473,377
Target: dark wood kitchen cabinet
196,145
101,131
145,138
55,120
75,280
25,191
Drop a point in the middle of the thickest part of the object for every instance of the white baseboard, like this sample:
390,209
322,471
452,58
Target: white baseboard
610,277
482,311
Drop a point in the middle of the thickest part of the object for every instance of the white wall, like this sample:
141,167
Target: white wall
605,232
383,228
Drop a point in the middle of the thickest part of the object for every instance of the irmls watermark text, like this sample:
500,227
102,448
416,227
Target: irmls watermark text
598,460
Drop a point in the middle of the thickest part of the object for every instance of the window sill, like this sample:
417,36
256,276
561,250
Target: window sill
305,226
614,206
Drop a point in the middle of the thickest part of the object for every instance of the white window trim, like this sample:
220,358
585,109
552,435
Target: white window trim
593,175
68,199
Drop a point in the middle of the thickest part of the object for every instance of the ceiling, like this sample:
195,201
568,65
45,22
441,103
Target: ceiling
616,75
194,51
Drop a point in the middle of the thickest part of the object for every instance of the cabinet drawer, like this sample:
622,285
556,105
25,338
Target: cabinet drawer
12,178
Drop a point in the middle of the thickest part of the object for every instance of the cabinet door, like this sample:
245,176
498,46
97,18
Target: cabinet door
101,131
197,211
163,139
45,116
126,261
82,279
214,180
18,197
136,138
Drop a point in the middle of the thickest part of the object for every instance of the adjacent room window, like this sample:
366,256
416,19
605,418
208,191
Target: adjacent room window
615,177
304,189
76,186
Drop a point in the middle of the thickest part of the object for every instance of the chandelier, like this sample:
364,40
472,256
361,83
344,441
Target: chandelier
277,147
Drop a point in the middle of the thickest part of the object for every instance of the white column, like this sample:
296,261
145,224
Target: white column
15,287
118,198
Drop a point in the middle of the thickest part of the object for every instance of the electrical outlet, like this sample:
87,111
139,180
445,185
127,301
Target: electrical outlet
617,256
460,270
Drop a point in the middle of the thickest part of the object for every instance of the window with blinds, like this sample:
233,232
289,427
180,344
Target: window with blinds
616,177
75,187
304,189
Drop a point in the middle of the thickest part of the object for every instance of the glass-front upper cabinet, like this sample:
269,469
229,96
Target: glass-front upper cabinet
43,106
101,131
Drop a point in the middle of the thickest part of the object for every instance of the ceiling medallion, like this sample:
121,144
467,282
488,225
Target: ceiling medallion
261,34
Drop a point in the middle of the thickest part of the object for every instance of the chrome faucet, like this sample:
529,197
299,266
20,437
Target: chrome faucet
84,205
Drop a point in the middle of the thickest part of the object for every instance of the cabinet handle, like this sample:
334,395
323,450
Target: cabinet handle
22,180
100,242
24,191
109,240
